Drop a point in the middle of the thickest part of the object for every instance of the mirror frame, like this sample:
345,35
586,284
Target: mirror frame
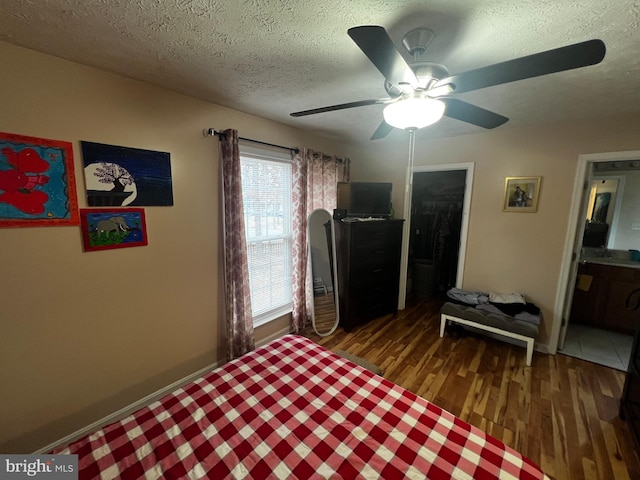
334,272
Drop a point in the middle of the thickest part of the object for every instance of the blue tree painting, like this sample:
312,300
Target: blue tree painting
124,176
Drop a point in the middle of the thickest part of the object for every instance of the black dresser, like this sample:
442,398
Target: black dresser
630,401
368,261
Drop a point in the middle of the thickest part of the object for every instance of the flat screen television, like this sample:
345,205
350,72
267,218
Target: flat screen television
365,199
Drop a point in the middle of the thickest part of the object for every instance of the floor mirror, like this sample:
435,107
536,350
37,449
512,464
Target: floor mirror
324,316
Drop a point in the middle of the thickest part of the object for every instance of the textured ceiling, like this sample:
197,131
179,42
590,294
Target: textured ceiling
271,58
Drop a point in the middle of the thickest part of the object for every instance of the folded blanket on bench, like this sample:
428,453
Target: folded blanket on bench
524,315
467,297
527,312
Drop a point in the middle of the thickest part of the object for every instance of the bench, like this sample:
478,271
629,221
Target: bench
491,322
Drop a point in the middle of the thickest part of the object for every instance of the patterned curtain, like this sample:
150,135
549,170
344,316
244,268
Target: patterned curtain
315,179
236,271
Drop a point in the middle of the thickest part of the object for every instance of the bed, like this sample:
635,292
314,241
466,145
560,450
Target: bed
293,409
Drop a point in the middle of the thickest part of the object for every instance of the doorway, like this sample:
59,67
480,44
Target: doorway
596,345
434,239
437,216
597,206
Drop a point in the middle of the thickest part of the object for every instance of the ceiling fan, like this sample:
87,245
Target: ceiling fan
420,93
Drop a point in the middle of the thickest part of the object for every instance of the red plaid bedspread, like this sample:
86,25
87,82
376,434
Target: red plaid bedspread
293,409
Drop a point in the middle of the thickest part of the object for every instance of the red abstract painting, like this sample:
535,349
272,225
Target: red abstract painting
37,182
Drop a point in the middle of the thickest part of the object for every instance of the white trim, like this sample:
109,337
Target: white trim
112,417
271,315
262,156
543,348
564,277
464,227
119,414
576,221
273,336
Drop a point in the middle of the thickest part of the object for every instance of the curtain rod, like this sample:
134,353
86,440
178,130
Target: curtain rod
210,132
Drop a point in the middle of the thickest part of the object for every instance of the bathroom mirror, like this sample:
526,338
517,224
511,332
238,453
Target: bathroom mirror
325,316
612,205
600,212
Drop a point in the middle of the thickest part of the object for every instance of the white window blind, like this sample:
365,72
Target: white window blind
266,195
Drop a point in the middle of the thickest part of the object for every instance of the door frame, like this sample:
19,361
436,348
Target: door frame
571,255
464,227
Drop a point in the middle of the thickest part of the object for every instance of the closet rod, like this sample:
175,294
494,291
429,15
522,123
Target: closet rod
210,132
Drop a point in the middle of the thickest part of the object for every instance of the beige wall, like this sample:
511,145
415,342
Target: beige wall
84,334
510,251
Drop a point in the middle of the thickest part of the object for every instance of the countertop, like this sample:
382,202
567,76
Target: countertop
614,262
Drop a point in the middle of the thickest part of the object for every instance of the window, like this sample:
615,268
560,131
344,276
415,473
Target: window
266,196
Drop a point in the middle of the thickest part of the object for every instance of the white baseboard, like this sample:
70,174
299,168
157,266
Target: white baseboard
273,336
543,348
127,410
146,400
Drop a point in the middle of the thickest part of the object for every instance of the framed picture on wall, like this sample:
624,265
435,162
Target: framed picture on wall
122,176
521,194
37,182
104,229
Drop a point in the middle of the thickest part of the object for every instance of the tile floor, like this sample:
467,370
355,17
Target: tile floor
598,346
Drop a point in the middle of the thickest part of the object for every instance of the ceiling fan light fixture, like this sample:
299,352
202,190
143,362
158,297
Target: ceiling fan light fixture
414,112
442,90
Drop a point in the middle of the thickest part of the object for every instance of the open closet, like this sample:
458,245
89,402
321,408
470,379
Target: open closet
434,242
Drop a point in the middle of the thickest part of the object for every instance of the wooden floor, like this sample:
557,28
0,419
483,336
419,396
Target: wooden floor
324,309
561,412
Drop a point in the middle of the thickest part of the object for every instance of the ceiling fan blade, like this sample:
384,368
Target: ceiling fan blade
560,59
376,44
382,131
472,114
342,106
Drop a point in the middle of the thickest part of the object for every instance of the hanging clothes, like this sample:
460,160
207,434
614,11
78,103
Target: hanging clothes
436,236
